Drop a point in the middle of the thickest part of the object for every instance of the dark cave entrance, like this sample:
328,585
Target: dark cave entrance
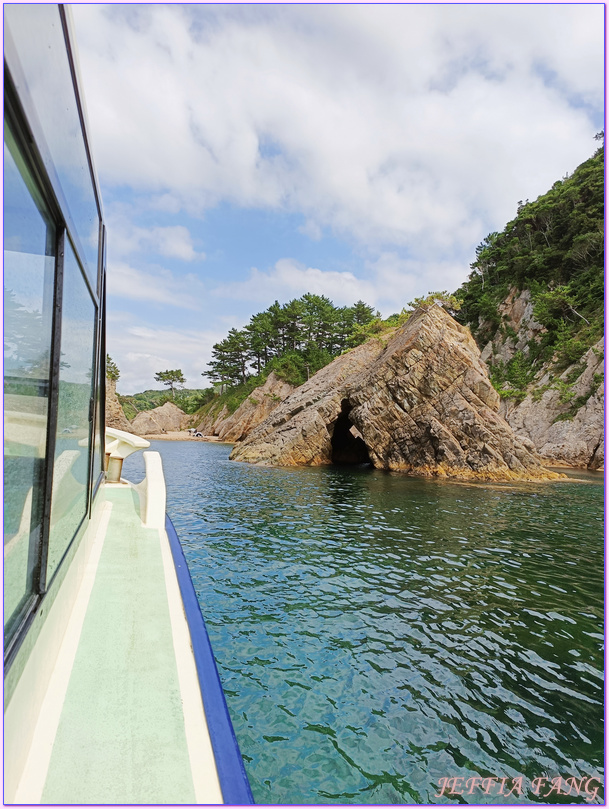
348,447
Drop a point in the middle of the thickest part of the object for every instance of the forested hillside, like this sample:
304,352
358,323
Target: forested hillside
186,399
295,340
533,301
554,248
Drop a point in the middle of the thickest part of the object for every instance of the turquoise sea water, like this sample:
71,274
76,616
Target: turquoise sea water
376,634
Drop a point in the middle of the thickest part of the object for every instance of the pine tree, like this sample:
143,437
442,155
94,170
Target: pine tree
172,379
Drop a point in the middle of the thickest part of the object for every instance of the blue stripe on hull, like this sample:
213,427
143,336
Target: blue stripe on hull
229,763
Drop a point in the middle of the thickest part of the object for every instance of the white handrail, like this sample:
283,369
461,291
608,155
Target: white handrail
119,445
152,492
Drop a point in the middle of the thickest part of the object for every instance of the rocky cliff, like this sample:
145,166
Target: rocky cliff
564,422
115,416
255,409
562,414
534,302
212,420
417,401
165,419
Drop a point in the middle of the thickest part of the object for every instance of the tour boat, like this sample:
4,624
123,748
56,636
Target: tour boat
111,692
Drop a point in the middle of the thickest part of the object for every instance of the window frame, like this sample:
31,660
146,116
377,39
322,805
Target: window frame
99,371
26,145
21,115
45,580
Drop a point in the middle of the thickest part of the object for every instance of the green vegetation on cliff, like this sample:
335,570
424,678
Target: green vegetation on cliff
295,340
213,401
292,352
554,248
189,400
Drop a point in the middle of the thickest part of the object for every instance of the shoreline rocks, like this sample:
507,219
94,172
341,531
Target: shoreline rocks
418,401
167,418
255,409
545,416
115,415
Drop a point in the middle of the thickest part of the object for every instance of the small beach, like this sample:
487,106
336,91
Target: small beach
182,435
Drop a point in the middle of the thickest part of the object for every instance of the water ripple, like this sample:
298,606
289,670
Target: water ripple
376,633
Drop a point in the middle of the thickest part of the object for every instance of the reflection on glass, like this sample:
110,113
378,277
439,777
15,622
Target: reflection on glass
71,465
29,246
38,36
98,465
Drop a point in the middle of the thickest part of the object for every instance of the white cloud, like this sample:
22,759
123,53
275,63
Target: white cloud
291,279
171,241
174,241
142,350
389,124
391,282
397,281
155,284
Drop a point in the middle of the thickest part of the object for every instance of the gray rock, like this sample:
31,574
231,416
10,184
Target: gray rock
257,407
165,419
578,441
115,416
420,401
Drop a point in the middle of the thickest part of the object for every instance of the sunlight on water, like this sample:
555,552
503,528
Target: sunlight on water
376,633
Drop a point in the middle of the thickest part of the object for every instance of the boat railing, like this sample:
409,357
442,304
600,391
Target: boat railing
152,492
119,445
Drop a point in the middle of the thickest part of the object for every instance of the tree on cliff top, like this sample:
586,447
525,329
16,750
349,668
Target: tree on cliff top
172,379
112,371
554,247
295,340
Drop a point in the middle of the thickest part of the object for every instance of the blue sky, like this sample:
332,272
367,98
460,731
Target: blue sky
248,153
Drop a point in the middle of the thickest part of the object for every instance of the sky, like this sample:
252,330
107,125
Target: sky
251,153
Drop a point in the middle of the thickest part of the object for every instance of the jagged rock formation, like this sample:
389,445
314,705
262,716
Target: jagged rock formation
165,419
255,409
212,421
419,401
115,416
577,440
517,316
562,416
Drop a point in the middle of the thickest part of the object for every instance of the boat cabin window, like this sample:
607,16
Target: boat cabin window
29,272
47,76
73,427
54,353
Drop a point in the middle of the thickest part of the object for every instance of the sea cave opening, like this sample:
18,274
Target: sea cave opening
348,446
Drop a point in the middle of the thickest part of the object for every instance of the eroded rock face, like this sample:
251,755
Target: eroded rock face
211,423
420,402
255,409
544,416
577,441
115,416
517,315
165,419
